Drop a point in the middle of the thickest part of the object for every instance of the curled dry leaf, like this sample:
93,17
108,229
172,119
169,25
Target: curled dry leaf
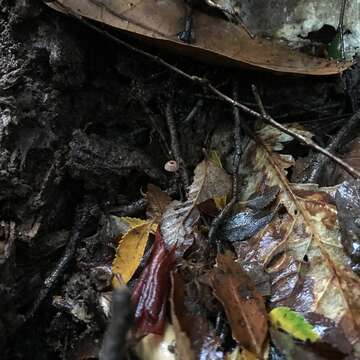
244,305
217,40
301,247
130,251
180,217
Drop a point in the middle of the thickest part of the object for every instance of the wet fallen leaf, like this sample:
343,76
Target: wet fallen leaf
290,348
294,349
245,224
130,251
348,206
300,247
216,39
293,323
333,343
151,290
243,304
260,277
260,201
180,217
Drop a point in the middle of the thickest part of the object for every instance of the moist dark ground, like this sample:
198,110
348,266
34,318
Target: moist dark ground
77,116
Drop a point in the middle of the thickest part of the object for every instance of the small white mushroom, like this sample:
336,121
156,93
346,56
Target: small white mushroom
171,166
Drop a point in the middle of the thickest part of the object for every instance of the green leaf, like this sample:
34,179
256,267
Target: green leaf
293,323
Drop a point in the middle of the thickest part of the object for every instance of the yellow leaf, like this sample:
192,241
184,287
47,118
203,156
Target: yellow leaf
220,201
134,222
130,251
293,323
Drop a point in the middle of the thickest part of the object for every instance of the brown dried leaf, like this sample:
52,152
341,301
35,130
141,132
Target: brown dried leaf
301,247
244,305
158,200
216,39
210,181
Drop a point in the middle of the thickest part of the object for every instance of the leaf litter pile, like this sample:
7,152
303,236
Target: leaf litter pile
244,244
280,275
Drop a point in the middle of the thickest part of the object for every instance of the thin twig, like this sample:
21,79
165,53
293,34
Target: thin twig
131,209
340,28
83,213
237,142
204,82
175,146
193,112
267,118
114,343
217,222
320,161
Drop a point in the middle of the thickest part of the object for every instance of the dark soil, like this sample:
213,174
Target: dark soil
79,121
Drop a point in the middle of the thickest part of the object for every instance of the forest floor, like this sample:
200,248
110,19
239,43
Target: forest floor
83,131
